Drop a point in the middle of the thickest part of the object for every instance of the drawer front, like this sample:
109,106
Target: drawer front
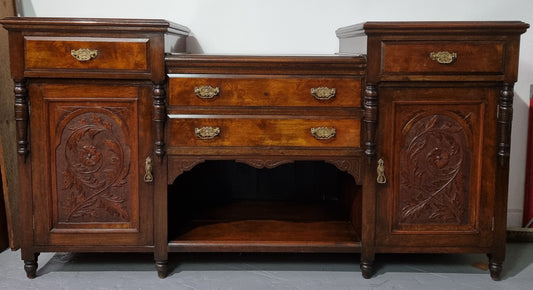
442,57
85,53
265,132
213,91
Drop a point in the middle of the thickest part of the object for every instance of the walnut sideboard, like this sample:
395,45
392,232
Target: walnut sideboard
398,144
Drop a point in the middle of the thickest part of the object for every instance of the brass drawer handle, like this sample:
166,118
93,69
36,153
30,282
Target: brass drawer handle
206,92
323,93
323,133
84,54
443,57
381,179
148,177
206,133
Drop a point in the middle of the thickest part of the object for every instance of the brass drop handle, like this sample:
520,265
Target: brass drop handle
84,54
443,57
207,133
323,133
381,172
148,177
323,93
206,92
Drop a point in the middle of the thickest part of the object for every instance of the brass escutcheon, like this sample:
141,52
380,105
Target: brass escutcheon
206,133
206,92
84,54
443,57
148,177
381,179
323,93
323,133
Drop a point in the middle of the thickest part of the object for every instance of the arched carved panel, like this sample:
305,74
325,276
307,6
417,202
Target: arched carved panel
435,170
93,167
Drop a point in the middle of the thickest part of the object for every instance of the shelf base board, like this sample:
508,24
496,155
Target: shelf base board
263,247
269,236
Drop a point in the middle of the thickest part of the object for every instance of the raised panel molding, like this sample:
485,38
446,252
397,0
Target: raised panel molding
435,172
93,168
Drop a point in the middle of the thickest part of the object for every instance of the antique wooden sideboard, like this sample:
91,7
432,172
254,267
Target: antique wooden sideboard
398,144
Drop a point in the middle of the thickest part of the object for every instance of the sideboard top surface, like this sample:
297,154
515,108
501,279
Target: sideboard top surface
433,27
93,24
264,64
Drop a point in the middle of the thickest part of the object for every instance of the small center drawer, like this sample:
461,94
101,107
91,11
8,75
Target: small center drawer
264,132
87,53
438,57
271,91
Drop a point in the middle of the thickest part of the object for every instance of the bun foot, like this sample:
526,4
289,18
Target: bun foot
30,266
495,270
367,270
162,269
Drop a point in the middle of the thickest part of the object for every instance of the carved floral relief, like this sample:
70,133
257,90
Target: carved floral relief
435,164
93,165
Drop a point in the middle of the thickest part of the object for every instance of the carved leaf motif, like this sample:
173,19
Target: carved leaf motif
84,208
434,172
431,123
96,161
114,205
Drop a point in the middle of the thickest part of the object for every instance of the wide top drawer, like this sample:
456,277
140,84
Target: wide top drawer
86,54
96,48
436,51
235,90
442,57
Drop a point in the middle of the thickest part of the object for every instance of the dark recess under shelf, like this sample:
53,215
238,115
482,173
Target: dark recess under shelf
237,209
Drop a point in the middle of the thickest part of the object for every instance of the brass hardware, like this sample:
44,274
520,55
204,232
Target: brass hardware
84,54
323,133
381,172
206,133
443,57
206,92
323,93
148,177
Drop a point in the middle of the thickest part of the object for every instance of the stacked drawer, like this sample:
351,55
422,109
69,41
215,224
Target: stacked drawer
264,104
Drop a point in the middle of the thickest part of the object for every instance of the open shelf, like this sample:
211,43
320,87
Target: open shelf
255,219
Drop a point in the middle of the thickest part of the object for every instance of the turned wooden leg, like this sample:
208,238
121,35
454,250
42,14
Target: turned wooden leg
162,268
367,269
30,266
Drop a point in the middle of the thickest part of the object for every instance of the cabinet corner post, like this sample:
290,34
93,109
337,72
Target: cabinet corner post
370,119
504,120
22,117
159,116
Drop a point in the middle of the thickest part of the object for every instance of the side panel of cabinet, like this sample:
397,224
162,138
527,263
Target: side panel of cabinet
438,147
89,142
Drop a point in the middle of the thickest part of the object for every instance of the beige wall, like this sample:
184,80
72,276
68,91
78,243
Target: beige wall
7,128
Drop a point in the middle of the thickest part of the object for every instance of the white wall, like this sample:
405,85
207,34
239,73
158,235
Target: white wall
308,27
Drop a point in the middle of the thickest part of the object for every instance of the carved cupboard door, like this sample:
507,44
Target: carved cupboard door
89,187
433,149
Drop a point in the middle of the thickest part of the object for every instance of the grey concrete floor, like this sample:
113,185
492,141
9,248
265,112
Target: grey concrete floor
267,271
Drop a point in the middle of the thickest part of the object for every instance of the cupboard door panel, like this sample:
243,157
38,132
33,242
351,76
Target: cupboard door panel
435,196
93,167
94,190
435,186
